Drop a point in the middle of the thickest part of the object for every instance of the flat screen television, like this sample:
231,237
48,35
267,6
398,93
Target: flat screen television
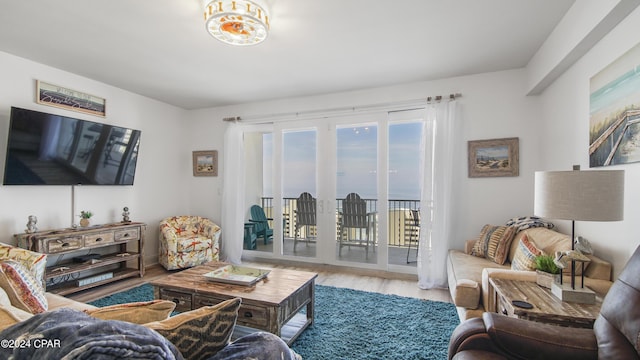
47,149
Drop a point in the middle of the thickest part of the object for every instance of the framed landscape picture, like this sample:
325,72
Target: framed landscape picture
614,110
205,163
493,158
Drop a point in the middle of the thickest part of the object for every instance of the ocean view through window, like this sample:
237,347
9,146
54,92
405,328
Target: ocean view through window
356,150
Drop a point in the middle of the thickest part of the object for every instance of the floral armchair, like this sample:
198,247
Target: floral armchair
187,241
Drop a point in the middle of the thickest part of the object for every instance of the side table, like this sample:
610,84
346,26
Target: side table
546,307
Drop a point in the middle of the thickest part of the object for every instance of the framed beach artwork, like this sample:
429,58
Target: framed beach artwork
205,163
493,158
64,98
614,112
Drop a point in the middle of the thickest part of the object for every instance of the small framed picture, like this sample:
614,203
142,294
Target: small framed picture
205,163
493,158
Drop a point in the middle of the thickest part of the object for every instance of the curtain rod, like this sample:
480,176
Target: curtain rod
325,113
439,97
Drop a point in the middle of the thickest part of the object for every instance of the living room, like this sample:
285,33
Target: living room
551,127
545,104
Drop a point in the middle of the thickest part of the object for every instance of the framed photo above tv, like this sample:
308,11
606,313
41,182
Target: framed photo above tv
205,163
493,158
61,97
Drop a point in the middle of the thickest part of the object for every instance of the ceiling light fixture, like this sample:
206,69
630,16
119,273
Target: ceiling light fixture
239,22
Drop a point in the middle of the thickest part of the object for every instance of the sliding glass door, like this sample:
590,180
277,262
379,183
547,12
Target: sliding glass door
342,190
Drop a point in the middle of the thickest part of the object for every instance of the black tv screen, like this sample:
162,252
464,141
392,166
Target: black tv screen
47,149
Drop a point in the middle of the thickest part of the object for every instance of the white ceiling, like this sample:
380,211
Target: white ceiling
160,48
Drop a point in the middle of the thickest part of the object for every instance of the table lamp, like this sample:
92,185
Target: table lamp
596,195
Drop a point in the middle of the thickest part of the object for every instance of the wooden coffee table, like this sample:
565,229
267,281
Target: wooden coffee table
273,304
546,307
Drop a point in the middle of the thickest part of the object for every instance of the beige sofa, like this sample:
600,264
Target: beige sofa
468,275
15,296
10,314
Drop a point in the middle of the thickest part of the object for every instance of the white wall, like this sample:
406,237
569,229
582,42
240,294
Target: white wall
493,105
164,162
565,118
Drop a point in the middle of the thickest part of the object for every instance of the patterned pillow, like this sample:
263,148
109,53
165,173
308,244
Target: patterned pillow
201,333
23,289
494,242
525,255
35,262
136,312
527,222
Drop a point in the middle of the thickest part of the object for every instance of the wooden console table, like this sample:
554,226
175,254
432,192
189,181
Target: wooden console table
546,307
65,276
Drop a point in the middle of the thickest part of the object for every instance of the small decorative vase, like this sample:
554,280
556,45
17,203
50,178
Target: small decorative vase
546,279
84,222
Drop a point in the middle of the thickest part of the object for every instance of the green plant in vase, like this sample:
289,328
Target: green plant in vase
547,272
85,215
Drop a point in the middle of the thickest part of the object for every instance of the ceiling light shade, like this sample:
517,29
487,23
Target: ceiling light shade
596,195
237,22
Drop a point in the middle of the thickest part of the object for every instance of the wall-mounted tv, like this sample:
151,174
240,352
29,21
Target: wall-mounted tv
47,149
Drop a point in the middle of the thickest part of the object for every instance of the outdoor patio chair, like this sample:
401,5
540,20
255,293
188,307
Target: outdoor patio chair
305,217
261,223
357,226
412,231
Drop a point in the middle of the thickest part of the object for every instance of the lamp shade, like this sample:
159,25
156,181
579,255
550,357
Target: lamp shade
580,195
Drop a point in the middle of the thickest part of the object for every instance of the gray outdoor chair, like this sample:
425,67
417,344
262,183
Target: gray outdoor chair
357,226
305,217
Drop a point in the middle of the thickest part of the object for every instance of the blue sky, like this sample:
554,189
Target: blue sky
357,161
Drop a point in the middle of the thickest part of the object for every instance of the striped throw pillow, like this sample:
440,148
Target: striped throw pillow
494,243
525,256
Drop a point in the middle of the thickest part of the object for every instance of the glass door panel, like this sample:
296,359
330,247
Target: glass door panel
357,192
404,191
258,235
299,192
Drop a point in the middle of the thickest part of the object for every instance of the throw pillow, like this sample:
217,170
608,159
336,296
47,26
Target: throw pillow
493,243
525,255
137,312
24,291
35,262
201,333
527,222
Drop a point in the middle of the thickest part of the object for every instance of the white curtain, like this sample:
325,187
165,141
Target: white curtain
438,160
233,194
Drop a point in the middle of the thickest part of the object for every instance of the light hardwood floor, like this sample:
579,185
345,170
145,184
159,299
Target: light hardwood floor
359,279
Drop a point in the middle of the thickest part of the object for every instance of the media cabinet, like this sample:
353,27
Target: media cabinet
114,242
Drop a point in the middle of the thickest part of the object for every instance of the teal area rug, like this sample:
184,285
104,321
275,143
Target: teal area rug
351,324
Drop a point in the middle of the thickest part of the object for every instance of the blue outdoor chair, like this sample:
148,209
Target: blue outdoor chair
261,223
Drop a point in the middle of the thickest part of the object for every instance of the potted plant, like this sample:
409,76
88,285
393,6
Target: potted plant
85,215
547,272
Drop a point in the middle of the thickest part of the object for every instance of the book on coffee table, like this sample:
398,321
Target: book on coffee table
237,275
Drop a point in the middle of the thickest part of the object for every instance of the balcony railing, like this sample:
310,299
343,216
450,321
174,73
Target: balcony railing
403,221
